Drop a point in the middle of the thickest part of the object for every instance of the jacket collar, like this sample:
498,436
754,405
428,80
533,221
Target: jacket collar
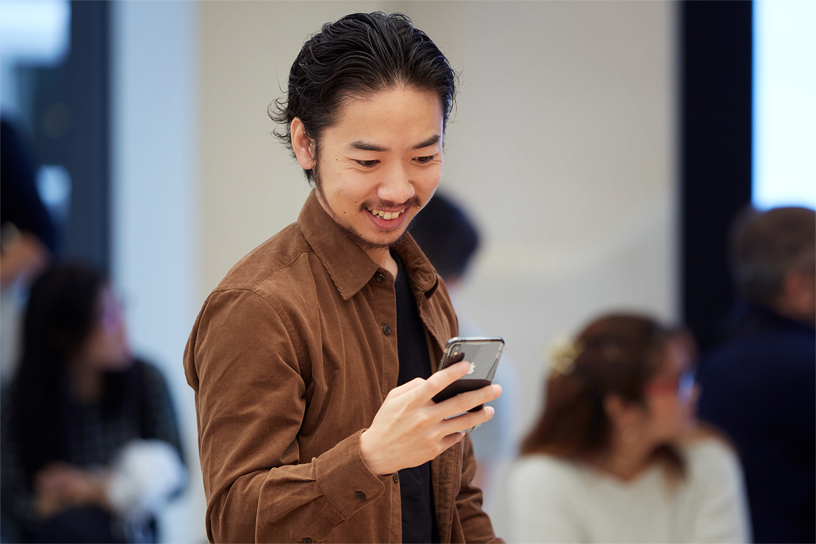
348,265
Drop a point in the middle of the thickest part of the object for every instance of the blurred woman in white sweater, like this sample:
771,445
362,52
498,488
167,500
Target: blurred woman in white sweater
616,455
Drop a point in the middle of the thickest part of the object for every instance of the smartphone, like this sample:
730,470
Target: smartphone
483,354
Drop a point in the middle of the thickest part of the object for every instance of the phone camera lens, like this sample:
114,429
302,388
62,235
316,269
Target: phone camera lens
456,350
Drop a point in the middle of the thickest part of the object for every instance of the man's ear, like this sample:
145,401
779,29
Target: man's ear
302,145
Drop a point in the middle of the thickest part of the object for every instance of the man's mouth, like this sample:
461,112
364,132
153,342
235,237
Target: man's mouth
388,216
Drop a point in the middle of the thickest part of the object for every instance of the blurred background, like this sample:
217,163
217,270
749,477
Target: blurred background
602,148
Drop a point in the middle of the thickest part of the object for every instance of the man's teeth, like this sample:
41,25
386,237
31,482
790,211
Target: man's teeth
386,215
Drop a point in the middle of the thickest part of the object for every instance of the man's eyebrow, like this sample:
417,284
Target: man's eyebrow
368,146
429,142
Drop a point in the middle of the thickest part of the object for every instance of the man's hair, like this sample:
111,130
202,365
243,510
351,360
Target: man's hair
446,235
766,245
357,56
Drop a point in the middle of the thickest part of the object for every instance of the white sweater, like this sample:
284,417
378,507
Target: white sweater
555,500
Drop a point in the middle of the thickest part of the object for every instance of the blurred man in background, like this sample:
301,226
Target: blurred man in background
759,386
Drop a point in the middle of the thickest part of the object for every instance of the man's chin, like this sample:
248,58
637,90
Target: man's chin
381,242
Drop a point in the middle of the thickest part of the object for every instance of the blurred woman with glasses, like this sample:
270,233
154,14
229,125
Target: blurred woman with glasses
90,443
616,455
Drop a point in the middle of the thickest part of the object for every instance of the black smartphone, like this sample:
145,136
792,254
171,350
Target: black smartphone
483,354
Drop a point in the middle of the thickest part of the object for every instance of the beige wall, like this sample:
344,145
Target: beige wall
562,146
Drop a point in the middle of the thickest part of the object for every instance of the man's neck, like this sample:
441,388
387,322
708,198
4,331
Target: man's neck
382,256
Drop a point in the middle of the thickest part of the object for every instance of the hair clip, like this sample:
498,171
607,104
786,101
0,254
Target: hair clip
562,354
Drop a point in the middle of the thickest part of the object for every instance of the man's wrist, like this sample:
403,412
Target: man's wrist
367,455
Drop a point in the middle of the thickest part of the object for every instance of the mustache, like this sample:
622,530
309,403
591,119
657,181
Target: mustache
413,202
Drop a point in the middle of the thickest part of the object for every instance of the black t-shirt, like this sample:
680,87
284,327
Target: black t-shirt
418,514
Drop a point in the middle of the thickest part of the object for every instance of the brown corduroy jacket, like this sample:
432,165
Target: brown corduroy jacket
290,358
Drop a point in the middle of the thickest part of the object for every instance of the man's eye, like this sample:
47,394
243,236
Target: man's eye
368,164
423,160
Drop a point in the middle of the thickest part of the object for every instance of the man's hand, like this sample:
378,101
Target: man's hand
411,429
60,485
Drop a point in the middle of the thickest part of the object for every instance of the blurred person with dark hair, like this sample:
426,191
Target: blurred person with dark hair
27,239
90,444
615,456
760,383
313,360
450,240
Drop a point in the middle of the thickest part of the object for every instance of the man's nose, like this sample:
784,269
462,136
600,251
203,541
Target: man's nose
396,187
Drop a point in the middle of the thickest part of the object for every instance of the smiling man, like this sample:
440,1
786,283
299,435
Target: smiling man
313,361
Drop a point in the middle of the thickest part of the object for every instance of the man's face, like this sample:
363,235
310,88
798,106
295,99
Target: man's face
380,164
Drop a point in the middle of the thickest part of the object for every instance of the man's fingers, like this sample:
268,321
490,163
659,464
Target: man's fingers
440,380
466,401
467,420
406,387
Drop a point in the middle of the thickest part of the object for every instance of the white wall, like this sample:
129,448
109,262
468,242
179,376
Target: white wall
154,207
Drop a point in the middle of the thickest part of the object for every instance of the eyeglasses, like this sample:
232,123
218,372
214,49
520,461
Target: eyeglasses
682,386
112,312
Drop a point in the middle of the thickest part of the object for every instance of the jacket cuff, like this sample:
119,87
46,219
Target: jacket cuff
345,479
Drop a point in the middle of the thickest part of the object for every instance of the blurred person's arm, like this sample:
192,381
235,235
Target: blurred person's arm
55,487
59,486
721,513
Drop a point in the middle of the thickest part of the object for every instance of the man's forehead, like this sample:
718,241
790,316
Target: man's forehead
396,118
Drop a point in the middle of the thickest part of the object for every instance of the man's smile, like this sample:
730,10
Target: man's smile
387,215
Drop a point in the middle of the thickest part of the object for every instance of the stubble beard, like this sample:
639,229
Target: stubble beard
349,232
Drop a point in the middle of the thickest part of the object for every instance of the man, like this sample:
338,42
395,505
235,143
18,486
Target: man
759,386
312,361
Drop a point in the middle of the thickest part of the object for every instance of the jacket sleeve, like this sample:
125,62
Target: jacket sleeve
475,522
250,400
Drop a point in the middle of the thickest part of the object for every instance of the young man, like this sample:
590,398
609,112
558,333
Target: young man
312,361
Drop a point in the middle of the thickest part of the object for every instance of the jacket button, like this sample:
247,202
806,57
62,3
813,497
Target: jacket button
307,540
360,496
387,330
395,478
380,277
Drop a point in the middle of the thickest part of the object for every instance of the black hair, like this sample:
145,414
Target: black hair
359,55
446,235
64,306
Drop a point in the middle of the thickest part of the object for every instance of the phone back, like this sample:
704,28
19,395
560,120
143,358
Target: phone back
482,353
